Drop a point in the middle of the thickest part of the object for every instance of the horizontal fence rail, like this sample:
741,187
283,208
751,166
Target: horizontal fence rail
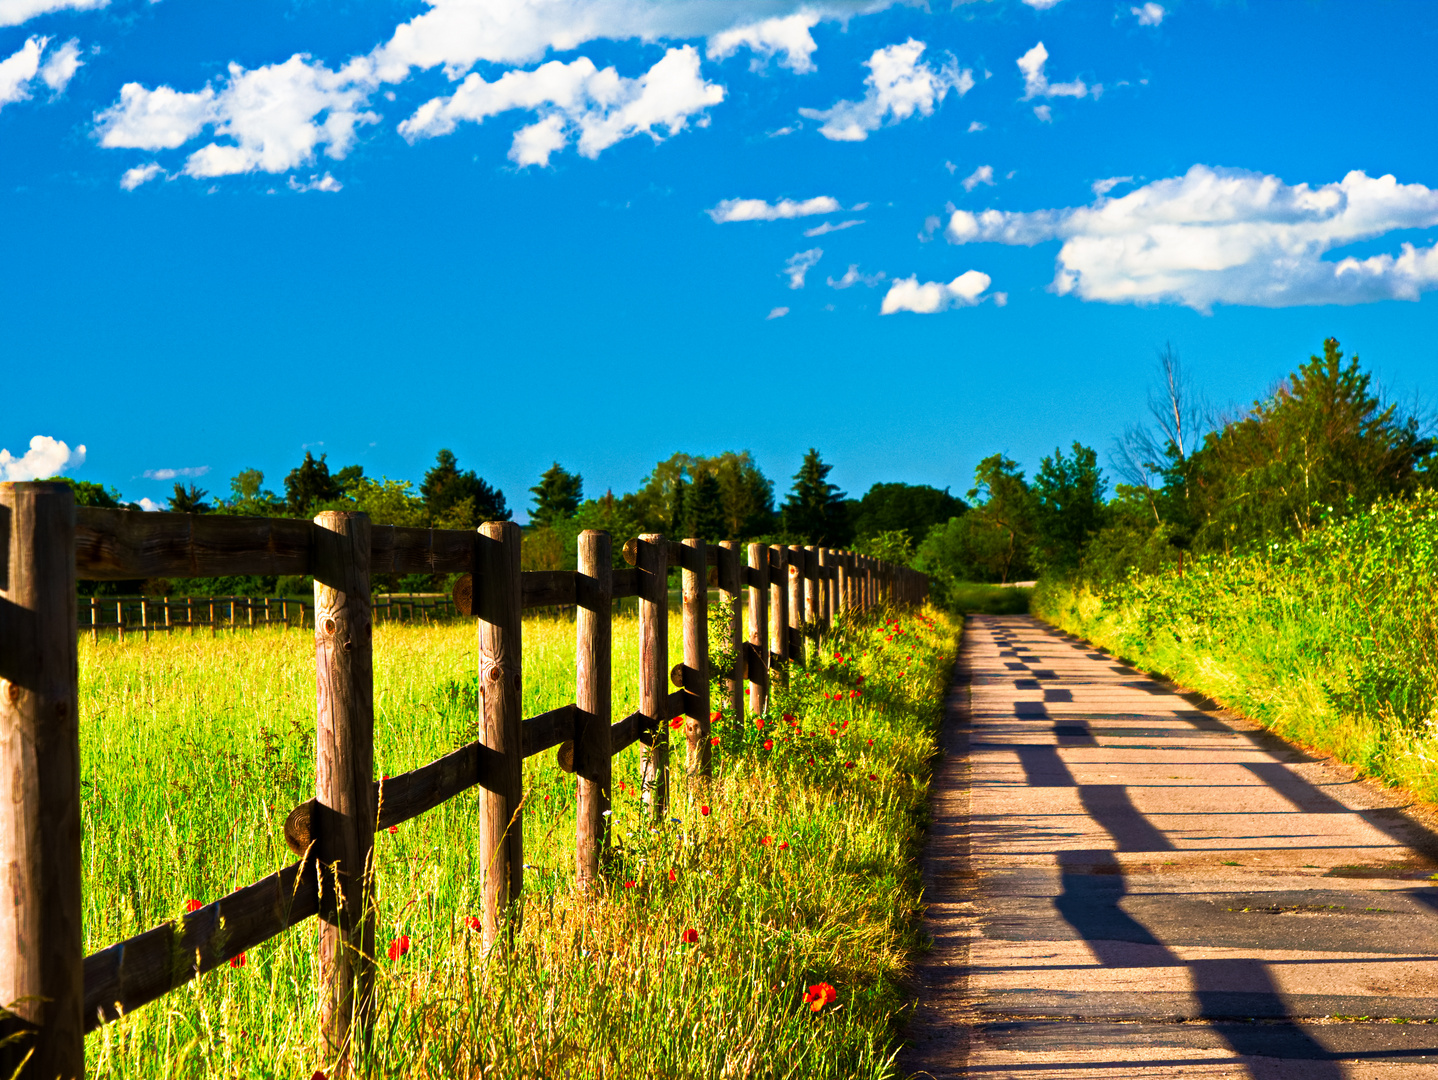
149,614
56,994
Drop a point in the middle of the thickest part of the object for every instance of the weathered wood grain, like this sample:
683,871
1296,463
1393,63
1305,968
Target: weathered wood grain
625,583
652,562
731,590
592,714
545,588
694,580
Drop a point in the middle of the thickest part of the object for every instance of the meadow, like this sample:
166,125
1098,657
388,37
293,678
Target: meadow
794,867
1330,640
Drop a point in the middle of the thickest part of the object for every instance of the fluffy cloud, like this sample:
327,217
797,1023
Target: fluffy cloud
15,12
46,457
1227,236
170,474
140,174
798,265
278,116
316,183
601,107
1036,81
1103,187
984,174
776,313
907,294
1150,14
1042,5
21,70
898,86
759,210
787,34
833,226
853,277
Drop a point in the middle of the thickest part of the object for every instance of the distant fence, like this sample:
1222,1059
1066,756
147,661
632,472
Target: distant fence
55,994
147,614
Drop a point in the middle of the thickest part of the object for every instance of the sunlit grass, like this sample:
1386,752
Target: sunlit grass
195,749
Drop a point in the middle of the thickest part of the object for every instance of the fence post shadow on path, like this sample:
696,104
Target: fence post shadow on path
1255,1022
53,995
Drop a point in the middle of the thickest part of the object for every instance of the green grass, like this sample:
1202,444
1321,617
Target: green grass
194,750
971,597
1331,640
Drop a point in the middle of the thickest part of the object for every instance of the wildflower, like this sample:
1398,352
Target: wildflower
398,947
237,961
819,995
848,764
714,740
811,761
839,657
860,680
318,1075
768,744
833,731
888,637
766,841
691,937
677,723
856,693
472,921
193,905
716,717
790,718
704,811
395,828
759,723
783,845
871,742
673,876
872,777
629,884
844,724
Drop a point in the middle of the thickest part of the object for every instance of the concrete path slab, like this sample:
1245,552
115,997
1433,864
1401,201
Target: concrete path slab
1125,881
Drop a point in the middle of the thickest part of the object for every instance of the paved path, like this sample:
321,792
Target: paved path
1125,882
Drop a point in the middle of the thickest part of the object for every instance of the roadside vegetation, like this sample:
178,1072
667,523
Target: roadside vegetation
763,928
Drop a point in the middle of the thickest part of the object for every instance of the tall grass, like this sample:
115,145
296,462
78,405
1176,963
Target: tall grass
1331,640
802,871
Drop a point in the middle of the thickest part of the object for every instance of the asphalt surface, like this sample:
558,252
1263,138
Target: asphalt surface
1124,881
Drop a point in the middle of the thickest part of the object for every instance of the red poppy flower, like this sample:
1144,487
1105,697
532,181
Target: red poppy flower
318,1075
716,717
833,731
766,841
811,761
394,828
677,723
860,680
856,693
472,921
237,961
704,811
768,744
839,656
629,884
819,995
872,777
398,947
783,845
714,740
673,876
888,637
691,937
848,764
871,742
759,723
790,718
844,724
193,905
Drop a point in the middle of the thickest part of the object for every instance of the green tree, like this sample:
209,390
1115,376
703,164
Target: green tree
460,499
309,485
1068,507
703,512
556,496
746,495
189,500
815,510
88,493
1004,509
911,508
249,497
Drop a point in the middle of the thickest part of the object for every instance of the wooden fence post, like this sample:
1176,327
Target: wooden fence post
731,591
841,583
344,775
758,673
796,604
778,605
498,607
652,562
41,979
825,589
593,594
695,581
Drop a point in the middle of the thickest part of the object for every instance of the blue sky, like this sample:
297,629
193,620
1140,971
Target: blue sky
602,231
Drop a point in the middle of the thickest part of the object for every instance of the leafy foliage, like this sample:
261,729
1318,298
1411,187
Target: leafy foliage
459,499
556,496
815,510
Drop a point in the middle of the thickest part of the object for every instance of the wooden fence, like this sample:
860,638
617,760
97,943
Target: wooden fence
54,994
149,614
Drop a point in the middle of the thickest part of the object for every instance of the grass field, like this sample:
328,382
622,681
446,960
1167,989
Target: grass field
802,871
1330,640
971,597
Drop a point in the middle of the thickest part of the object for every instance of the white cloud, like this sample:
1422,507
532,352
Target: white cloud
984,174
18,70
898,86
15,12
1036,82
798,265
788,34
931,226
1150,14
1103,187
1227,236
853,277
777,313
601,107
277,115
977,125
46,457
150,506
832,226
907,294
1042,5
62,65
170,474
1044,113
140,174
759,210
316,183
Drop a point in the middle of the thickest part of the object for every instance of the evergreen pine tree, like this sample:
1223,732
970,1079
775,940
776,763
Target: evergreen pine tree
557,495
815,510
